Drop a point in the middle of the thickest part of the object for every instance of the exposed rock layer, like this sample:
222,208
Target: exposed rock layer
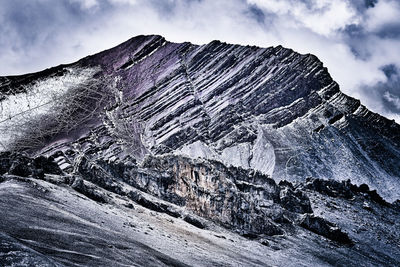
267,109
242,201
202,135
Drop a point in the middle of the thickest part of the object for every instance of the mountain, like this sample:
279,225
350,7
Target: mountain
163,153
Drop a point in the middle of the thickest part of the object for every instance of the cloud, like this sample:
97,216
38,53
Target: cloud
384,13
395,100
320,16
86,4
356,39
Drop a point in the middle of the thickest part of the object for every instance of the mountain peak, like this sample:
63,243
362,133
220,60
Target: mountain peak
163,153
268,109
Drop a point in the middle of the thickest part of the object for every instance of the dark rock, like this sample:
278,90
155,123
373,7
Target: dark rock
95,173
194,221
331,188
47,165
335,118
327,229
21,166
153,205
203,187
319,128
366,206
396,204
141,200
80,186
249,234
344,189
295,201
5,162
377,198
285,183
372,194
172,212
363,188
130,206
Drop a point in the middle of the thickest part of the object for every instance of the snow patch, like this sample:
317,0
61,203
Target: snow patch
38,100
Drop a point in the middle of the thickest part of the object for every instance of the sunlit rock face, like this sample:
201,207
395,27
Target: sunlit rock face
267,109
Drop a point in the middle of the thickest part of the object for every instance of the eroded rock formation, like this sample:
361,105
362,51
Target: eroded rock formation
224,138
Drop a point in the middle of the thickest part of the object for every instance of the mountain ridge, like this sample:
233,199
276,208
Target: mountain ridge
166,154
226,94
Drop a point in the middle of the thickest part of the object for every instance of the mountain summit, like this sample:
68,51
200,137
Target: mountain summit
258,141
268,109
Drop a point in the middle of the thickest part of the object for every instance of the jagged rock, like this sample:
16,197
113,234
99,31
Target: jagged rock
344,189
396,204
366,206
285,183
372,194
377,198
295,201
244,200
80,186
194,221
322,227
203,129
5,162
46,165
153,205
97,175
330,187
20,165
250,107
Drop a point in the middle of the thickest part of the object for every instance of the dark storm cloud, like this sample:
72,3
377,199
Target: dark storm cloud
390,90
358,40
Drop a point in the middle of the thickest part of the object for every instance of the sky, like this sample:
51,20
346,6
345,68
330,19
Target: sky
357,40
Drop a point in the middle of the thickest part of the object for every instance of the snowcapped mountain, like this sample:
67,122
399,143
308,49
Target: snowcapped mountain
258,141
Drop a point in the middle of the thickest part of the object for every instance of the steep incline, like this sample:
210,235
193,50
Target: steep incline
268,109
128,214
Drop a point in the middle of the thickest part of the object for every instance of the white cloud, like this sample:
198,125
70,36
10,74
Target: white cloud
128,2
395,100
385,12
320,16
86,4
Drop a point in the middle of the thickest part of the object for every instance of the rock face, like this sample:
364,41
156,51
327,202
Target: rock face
321,226
267,109
237,142
60,219
237,199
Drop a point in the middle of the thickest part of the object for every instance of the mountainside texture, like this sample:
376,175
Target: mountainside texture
157,153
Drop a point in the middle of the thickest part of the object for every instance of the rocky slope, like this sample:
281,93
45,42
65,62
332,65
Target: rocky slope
161,213
214,145
244,106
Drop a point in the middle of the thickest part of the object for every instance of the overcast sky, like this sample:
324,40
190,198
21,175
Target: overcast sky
358,40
